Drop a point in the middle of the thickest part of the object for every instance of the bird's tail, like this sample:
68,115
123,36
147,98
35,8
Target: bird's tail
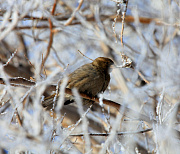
49,101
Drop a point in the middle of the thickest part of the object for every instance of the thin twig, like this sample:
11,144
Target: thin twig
123,19
42,66
85,55
114,23
4,106
19,81
18,117
120,133
51,35
10,58
29,61
69,21
142,77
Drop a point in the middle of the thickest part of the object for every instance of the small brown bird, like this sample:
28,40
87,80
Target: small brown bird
91,79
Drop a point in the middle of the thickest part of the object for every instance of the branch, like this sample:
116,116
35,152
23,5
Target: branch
50,37
128,112
118,133
123,19
129,19
19,81
69,21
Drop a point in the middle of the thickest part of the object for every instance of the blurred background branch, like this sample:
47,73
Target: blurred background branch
39,44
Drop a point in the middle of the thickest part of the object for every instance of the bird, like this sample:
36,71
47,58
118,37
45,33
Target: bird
91,79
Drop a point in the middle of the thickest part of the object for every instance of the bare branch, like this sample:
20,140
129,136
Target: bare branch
118,133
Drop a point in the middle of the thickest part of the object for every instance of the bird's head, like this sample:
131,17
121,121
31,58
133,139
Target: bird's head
103,63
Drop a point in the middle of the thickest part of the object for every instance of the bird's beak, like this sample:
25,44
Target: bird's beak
111,68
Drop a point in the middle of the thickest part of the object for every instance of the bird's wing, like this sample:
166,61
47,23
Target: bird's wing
87,79
106,82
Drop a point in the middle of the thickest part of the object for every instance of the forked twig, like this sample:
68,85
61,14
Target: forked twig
69,21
